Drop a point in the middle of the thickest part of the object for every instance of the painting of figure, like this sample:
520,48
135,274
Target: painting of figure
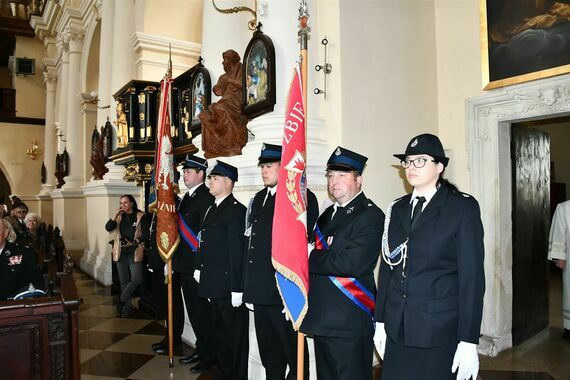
198,96
524,40
258,77
256,80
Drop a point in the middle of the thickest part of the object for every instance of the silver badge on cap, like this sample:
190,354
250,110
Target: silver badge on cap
337,151
263,146
414,143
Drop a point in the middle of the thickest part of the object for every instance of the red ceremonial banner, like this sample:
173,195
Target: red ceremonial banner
167,237
289,245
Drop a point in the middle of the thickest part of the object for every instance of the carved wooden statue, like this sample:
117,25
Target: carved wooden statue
98,153
224,127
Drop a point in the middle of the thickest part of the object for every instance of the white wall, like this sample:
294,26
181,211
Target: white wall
389,85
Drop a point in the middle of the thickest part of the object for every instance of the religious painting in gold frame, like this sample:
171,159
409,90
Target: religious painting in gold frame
523,40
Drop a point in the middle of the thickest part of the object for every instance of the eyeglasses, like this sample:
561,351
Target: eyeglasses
418,162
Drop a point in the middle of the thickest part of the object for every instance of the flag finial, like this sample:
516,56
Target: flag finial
169,72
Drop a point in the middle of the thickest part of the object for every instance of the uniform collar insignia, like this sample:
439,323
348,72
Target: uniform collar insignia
349,210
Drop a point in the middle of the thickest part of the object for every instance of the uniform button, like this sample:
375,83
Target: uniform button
255,221
403,296
252,247
253,234
251,261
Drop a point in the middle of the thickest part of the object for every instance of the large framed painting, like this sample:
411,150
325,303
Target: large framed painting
258,77
523,40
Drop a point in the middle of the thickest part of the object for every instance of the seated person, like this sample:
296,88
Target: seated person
34,237
18,268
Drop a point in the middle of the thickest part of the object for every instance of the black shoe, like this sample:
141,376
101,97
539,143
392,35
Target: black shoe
194,358
127,311
162,349
566,335
203,366
156,345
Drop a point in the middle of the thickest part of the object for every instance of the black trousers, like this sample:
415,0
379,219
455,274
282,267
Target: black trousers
277,342
342,358
200,314
231,338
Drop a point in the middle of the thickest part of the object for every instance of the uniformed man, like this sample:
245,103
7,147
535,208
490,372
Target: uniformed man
191,210
221,256
18,269
342,287
276,338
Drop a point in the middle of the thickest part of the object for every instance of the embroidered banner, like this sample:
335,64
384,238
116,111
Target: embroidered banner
289,252
167,237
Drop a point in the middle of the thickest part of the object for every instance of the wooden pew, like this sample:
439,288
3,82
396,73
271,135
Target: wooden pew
39,336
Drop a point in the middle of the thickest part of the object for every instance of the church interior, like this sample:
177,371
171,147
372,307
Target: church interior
79,96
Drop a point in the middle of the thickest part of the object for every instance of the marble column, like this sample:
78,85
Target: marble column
121,69
45,201
104,91
61,119
75,144
50,80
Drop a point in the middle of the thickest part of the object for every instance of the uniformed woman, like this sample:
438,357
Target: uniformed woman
128,249
431,285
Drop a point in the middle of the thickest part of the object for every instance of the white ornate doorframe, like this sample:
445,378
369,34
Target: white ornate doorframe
488,141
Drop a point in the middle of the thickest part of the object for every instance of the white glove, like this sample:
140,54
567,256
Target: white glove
466,361
197,276
237,299
285,314
380,339
310,247
249,306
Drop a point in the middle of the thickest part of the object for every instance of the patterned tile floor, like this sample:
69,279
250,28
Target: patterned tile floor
120,348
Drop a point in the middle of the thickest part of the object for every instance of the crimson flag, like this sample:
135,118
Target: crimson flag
167,237
289,252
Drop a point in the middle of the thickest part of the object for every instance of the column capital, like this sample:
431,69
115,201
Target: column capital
50,71
88,102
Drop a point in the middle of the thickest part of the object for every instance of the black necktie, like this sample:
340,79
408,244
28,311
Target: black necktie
337,209
417,210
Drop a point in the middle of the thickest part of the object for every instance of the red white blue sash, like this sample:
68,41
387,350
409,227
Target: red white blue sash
349,286
187,234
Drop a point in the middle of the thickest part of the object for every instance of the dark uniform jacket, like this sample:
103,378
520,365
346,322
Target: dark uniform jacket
221,251
17,270
440,300
150,248
260,286
355,231
192,209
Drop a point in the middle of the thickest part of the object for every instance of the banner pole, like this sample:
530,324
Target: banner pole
170,340
303,42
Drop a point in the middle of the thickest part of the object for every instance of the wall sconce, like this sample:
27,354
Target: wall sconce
35,151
